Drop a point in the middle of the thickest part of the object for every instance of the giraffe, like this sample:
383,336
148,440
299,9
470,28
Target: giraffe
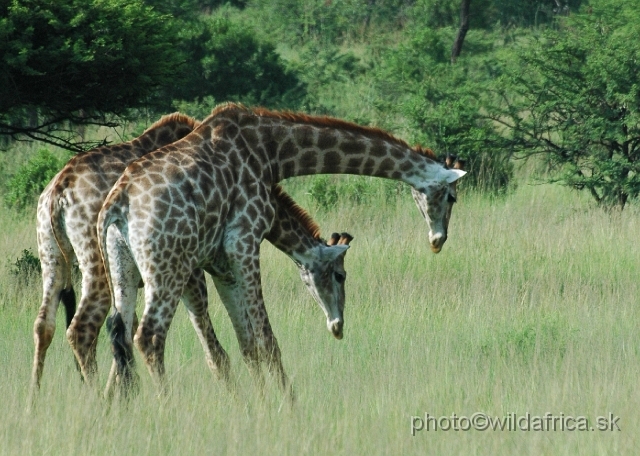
294,232
67,211
204,201
66,216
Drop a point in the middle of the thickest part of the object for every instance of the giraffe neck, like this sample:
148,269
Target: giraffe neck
299,145
295,232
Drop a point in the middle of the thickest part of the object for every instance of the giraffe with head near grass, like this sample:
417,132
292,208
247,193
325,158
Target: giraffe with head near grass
67,213
205,202
294,232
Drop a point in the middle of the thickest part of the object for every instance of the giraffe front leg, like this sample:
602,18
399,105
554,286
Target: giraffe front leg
246,267
227,289
195,299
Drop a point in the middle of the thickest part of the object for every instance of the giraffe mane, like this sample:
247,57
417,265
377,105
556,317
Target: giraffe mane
332,122
297,211
227,106
322,121
177,117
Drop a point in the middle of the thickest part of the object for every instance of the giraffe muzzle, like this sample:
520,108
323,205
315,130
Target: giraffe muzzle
437,241
335,327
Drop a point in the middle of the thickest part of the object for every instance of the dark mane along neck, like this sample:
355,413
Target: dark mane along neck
317,121
299,213
338,124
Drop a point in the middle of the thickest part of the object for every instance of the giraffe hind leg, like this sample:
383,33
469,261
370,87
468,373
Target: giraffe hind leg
82,333
125,277
161,302
68,299
54,279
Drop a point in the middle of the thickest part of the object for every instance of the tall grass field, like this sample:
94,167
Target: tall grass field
530,313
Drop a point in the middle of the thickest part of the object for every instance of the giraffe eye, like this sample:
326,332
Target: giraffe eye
339,277
451,199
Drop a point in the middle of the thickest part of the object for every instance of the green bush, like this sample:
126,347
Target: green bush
25,267
226,62
198,109
327,21
80,61
31,178
326,191
323,192
326,71
572,96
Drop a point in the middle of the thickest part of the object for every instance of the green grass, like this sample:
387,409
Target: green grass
530,307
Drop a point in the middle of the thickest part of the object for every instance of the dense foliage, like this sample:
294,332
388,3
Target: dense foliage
80,62
225,61
574,97
551,78
74,62
31,178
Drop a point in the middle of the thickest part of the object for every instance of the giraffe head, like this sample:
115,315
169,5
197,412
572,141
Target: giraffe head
435,200
324,275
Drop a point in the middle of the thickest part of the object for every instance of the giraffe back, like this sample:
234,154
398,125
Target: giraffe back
78,191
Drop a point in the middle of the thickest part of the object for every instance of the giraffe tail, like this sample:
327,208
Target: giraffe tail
113,213
56,204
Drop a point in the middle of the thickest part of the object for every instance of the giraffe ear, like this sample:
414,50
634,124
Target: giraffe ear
332,252
454,174
335,238
345,238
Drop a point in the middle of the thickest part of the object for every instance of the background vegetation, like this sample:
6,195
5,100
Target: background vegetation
548,78
529,308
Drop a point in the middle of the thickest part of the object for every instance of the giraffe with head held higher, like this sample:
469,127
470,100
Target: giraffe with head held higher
205,202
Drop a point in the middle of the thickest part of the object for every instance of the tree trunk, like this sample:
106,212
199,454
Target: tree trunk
462,31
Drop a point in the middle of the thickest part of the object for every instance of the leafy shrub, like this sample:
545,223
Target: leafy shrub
329,21
323,192
26,266
31,178
446,105
572,96
80,61
228,63
326,191
327,71
449,114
